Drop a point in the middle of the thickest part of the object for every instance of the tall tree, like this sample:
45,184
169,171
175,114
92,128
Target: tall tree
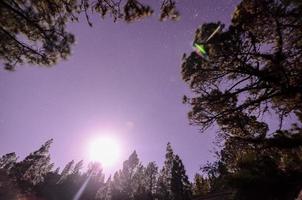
254,68
128,182
180,185
201,185
7,161
34,167
165,177
96,181
67,170
116,187
105,192
150,179
173,183
162,190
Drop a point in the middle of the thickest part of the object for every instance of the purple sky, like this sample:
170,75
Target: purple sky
121,77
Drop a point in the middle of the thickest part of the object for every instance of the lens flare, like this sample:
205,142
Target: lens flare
104,150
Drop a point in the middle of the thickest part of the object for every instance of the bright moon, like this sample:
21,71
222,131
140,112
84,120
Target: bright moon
104,150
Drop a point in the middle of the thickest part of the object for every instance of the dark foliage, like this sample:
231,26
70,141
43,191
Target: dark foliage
33,178
254,69
35,31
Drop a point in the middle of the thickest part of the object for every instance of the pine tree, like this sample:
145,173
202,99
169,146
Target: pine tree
201,185
180,185
253,71
127,183
35,32
173,183
7,161
34,167
165,177
104,193
66,171
96,181
78,166
116,187
57,170
162,189
127,175
150,178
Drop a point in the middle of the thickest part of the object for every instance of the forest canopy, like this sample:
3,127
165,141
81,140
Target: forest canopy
34,177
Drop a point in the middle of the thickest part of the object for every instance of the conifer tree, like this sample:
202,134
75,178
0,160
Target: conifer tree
116,187
127,174
162,190
180,185
78,166
7,161
128,181
253,71
164,180
140,189
173,183
150,179
66,171
34,167
96,181
35,32
201,185
104,193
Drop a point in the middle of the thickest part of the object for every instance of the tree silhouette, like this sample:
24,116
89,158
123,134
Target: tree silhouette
35,32
165,176
150,179
180,185
7,161
173,182
201,185
254,68
32,169
128,182
33,178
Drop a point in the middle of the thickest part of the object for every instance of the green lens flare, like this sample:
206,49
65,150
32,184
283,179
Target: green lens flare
201,48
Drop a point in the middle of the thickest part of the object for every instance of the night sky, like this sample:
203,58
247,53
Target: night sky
121,79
